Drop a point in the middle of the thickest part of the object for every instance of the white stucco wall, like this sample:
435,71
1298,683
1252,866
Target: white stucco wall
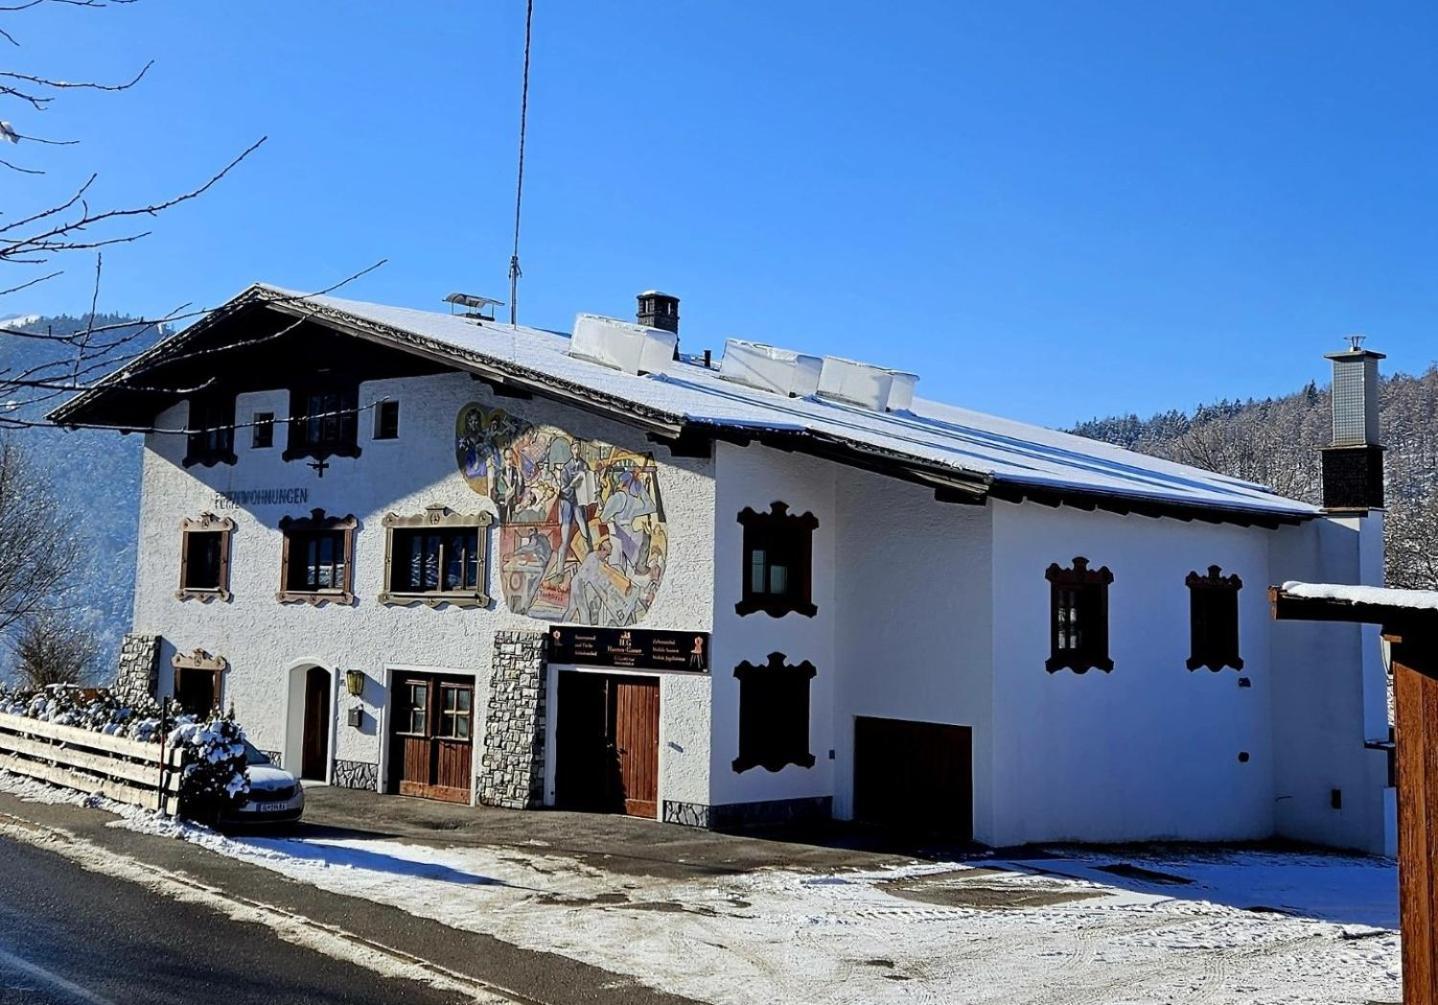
1331,696
266,642
1149,750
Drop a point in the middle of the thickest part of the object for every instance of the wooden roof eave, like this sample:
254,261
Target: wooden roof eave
1395,620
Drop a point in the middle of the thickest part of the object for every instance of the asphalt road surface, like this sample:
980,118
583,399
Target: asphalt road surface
72,937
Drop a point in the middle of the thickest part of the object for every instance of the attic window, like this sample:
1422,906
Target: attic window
773,714
1078,618
205,558
212,430
1213,620
778,561
324,422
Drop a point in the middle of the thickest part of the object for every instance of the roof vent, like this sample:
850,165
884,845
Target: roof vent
622,345
781,371
866,385
480,308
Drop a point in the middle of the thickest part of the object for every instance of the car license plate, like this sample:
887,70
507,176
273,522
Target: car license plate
270,807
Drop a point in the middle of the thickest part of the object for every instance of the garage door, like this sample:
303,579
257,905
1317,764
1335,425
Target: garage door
915,776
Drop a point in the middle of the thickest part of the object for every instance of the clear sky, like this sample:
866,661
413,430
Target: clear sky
1049,210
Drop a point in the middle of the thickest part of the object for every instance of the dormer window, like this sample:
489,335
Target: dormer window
211,430
324,422
778,560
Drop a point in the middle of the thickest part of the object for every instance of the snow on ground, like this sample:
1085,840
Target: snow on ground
1057,929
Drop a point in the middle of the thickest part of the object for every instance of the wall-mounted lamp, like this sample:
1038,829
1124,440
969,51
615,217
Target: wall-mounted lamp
354,682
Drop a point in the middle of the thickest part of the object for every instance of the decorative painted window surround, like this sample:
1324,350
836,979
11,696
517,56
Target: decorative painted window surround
777,576
773,714
199,662
195,535
1078,618
293,560
474,569
1213,620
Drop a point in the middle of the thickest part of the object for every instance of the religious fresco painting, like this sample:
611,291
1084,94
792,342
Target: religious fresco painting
581,522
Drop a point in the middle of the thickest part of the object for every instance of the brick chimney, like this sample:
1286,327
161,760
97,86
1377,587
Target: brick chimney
658,310
1353,461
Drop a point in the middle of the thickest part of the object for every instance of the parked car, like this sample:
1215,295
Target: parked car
276,796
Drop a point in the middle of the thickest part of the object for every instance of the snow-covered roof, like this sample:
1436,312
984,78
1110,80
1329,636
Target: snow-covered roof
1368,596
998,456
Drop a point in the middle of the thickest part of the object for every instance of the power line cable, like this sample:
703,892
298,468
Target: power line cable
514,271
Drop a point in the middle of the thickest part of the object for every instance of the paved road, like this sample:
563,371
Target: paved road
72,937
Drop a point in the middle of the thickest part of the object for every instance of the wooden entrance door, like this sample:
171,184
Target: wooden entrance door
315,745
432,737
196,690
914,776
607,743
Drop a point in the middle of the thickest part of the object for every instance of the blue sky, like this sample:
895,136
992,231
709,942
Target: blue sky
1050,211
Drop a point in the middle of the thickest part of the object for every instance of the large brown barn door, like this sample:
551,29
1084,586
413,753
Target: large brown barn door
432,737
914,776
607,743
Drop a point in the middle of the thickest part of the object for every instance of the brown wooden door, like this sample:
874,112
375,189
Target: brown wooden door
432,737
636,743
914,776
607,743
314,754
195,690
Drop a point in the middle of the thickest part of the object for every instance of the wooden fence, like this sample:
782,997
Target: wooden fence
95,763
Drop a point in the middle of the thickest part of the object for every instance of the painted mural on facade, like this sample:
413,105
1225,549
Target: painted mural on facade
581,522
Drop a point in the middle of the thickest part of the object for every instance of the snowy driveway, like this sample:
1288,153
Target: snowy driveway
1064,929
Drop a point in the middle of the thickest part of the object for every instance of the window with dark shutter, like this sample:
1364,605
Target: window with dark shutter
1078,618
778,562
774,714
1213,620
205,558
211,428
317,559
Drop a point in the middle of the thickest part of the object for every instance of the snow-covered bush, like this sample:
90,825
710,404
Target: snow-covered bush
213,776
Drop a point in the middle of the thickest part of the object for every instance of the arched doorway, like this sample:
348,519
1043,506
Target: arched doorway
315,728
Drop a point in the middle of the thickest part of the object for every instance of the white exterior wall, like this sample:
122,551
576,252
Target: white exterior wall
1149,750
269,645
755,477
1331,696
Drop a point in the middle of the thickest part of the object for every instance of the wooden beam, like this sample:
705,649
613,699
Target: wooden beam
1398,621
1416,699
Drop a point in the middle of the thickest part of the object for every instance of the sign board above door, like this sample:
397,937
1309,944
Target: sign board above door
629,648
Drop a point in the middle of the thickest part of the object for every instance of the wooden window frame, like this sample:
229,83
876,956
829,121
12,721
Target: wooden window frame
1093,655
208,523
437,518
797,534
382,409
755,728
219,411
298,444
317,521
199,661
1205,650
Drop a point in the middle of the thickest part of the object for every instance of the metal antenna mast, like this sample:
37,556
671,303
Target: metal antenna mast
514,272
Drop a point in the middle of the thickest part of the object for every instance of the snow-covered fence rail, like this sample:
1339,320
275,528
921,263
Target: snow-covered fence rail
130,771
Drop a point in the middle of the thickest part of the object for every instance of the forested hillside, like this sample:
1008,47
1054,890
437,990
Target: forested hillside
1276,442
95,478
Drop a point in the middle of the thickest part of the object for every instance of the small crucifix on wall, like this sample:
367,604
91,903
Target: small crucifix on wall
319,465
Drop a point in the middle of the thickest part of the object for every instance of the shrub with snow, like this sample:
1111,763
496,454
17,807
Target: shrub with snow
213,776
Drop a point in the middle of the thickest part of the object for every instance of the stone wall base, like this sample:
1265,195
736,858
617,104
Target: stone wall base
511,769
748,816
137,678
355,775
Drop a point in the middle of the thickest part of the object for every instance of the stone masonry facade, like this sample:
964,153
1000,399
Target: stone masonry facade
137,676
511,771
